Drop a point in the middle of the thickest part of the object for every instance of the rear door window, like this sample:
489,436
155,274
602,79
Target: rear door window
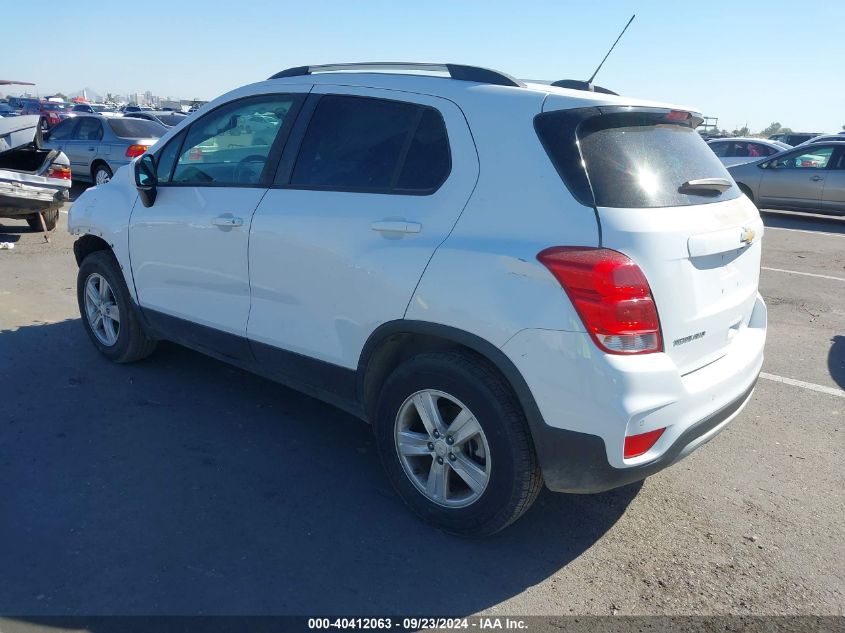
89,129
372,145
632,159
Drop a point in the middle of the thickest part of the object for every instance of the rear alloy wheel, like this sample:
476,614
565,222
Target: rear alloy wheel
448,460
102,174
455,443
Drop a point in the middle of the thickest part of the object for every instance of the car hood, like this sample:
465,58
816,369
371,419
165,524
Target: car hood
18,131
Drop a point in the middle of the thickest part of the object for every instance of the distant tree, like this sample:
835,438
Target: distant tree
843,127
743,131
773,128
785,130
61,96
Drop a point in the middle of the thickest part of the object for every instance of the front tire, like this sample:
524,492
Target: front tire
108,313
51,219
455,444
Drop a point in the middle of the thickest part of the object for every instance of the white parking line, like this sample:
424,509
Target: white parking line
783,228
796,272
831,391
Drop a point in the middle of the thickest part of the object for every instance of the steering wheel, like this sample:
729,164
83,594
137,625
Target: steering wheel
245,171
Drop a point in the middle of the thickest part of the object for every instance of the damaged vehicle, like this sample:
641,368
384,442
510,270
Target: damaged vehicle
33,179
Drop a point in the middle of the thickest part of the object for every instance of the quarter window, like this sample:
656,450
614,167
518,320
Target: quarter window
167,158
230,145
375,145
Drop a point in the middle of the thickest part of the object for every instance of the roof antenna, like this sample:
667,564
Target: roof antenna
580,84
590,80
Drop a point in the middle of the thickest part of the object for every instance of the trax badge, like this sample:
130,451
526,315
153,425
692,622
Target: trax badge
747,236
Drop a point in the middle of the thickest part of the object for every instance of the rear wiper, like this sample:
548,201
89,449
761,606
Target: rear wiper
706,186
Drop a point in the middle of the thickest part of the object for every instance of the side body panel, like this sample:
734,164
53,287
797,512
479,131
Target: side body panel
323,276
485,278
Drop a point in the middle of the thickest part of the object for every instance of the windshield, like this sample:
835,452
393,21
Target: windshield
632,159
136,128
55,107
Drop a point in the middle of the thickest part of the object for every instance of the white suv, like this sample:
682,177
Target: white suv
512,282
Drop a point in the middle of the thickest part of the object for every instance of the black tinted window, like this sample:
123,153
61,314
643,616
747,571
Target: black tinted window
136,128
428,162
354,143
632,159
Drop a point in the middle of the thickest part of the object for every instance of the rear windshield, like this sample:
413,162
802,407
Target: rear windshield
55,107
136,128
631,159
171,119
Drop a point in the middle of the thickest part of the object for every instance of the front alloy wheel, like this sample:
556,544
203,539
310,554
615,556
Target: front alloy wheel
101,309
442,448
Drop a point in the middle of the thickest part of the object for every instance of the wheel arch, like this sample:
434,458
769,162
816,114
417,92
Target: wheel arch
396,341
96,163
746,190
88,244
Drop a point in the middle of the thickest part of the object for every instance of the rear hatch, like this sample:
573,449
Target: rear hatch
665,200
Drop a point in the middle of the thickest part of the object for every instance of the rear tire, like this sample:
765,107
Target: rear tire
101,174
51,219
128,341
500,459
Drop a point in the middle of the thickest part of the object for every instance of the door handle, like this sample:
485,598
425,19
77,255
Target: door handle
227,221
817,178
396,226
92,149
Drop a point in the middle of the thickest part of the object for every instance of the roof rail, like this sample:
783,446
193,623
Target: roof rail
580,84
455,71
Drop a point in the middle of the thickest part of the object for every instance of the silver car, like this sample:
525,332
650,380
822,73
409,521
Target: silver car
98,146
733,151
805,178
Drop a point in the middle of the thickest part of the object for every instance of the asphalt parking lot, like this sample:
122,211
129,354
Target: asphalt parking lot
179,485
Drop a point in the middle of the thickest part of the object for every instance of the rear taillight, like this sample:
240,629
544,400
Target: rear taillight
136,150
636,445
53,117
58,171
611,295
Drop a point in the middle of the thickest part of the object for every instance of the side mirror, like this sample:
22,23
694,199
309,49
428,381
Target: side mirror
146,179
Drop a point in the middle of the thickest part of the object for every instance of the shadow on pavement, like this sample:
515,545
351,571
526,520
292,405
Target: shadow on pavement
802,221
10,230
836,360
179,485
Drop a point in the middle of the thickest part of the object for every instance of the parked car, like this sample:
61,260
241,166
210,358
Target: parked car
167,119
807,178
6,110
794,138
51,112
136,108
825,138
94,108
98,146
33,180
733,151
439,256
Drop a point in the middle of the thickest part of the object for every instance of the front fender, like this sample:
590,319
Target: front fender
104,212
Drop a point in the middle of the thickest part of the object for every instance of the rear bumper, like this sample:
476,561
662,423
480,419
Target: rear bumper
21,199
577,462
588,402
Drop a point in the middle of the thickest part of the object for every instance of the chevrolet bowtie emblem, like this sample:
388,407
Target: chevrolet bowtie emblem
747,236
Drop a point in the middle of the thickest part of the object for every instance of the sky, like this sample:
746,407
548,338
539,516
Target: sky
743,61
